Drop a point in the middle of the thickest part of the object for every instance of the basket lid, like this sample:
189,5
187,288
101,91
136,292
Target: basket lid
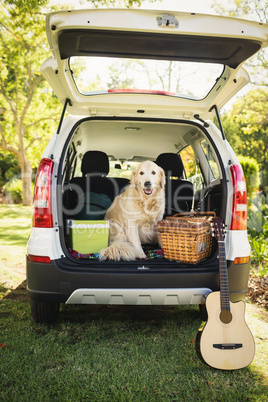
189,224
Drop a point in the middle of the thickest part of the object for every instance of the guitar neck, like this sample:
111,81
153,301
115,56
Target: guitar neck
224,284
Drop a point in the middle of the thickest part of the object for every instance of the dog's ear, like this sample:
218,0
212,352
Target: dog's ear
162,178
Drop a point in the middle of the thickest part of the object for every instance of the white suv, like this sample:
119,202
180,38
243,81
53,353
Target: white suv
138,85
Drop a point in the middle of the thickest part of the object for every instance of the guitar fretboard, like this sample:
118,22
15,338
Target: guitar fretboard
224,284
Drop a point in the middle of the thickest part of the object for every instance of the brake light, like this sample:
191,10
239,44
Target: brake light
42,203
141,91
239,208
39,258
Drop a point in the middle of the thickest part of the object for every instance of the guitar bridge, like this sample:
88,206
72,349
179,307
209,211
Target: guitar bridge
226,346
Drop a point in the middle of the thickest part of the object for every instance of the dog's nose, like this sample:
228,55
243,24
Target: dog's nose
147,184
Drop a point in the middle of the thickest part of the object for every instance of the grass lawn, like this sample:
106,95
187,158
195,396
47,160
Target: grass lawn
15,225
119,354
114,353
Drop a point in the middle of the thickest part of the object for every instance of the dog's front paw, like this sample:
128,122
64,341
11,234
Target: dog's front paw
110,253
140,254
118,251
102,254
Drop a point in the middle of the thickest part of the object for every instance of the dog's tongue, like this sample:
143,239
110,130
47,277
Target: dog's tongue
148,191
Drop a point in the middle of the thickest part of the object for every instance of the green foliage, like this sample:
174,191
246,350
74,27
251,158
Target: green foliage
255,220
117,3
28,111
9,167
104,3
13,191
26,5
258,235
260,246
255,10
246,126
252,175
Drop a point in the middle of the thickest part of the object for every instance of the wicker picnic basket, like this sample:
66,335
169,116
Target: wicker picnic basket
187,237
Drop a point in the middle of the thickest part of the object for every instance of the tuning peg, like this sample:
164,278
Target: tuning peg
212,230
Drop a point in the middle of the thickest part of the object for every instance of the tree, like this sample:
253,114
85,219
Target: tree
256,10
23,90
246,125
28,110
115,3
118,74
252,175
248,9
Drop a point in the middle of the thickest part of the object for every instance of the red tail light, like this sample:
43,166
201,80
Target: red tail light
42,203
38,258
239,209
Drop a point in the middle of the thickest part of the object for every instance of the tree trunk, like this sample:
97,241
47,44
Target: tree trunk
26,177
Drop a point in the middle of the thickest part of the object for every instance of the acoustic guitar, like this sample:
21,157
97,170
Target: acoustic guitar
226,341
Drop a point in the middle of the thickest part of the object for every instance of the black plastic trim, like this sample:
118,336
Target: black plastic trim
214,107
164,46
56,281
67,102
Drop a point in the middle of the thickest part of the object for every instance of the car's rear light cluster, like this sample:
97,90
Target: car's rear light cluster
42,203
39,258
141,91
239,208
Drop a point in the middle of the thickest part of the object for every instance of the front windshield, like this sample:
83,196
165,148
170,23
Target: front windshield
184,79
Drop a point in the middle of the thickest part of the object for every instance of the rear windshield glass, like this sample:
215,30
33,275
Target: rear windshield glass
184,79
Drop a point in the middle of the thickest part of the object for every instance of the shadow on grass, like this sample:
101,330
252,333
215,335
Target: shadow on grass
19,294
15,211
15,235
86,312
3,290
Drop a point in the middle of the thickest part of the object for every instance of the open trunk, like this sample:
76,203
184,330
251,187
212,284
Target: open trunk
185,150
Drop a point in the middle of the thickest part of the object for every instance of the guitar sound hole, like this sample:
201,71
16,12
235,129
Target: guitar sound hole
226,316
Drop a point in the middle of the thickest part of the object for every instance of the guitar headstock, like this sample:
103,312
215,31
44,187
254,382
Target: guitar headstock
219,229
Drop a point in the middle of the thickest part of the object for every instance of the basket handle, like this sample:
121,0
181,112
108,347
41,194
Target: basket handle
193,214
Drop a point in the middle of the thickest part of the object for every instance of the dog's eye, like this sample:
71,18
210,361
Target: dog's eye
141,173
153,172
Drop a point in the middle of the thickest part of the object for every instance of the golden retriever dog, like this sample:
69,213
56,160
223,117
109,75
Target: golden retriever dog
134,213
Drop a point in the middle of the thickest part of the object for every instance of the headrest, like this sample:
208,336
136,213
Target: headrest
95,162
171,164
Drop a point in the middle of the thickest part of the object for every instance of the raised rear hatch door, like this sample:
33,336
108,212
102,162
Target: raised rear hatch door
155,63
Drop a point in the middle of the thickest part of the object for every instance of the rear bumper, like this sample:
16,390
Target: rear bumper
139,297
64,281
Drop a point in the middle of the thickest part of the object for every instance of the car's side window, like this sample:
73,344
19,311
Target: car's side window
207,149
191,167
70,163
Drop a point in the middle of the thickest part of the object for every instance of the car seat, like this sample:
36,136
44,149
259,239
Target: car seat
179,192
88,197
